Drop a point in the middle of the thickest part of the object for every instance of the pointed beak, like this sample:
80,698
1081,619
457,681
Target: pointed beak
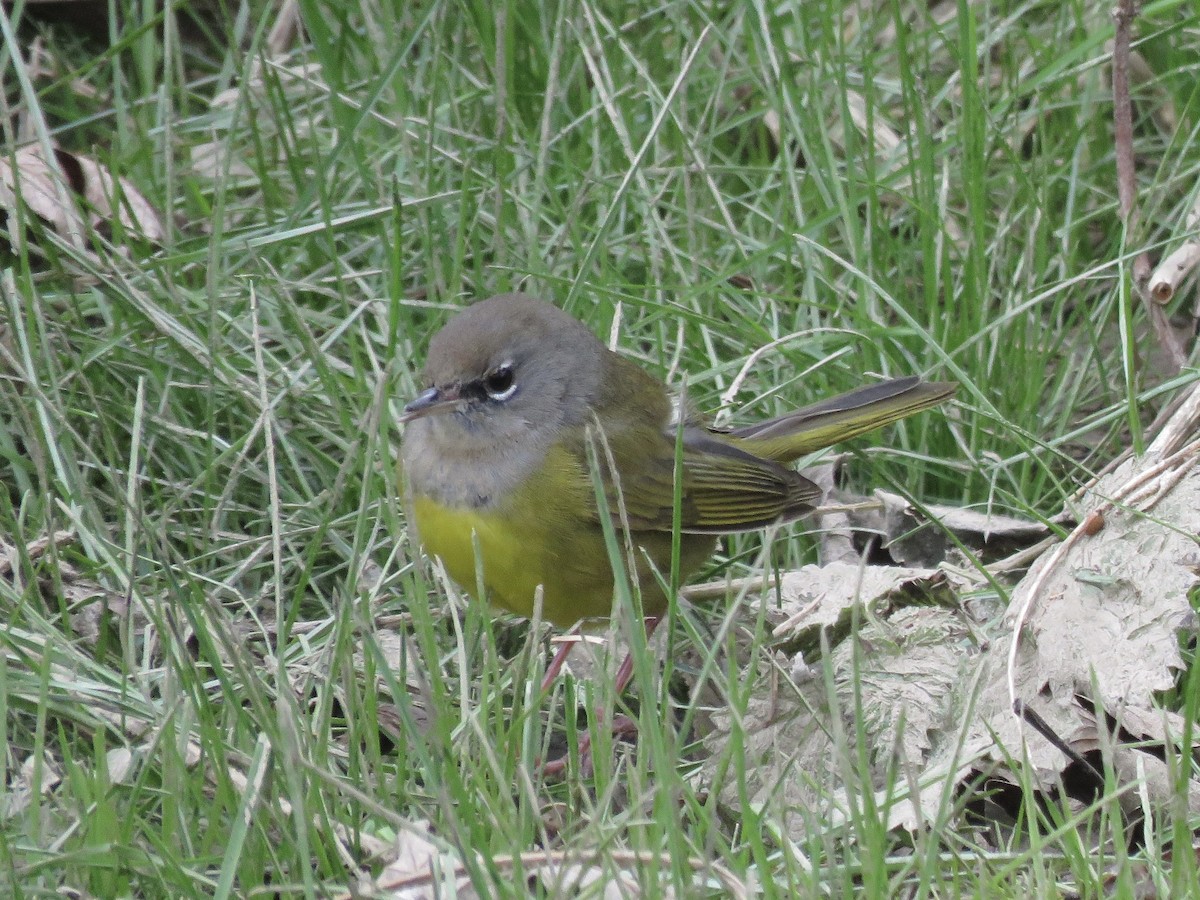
431,402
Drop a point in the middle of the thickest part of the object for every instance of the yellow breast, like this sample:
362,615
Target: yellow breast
452,535
542,536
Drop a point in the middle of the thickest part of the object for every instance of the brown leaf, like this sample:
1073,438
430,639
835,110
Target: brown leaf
27,178
72,193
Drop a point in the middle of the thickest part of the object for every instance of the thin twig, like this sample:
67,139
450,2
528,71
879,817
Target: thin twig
1124,14
1170,273
833,524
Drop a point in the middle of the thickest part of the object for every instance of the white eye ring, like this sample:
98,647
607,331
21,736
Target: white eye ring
500,383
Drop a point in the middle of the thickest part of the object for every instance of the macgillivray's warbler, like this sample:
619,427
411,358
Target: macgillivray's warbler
496,454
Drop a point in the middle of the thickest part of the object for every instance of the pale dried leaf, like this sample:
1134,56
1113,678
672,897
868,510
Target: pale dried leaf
567,879
900,671
421,870
119,761
51,189
28,178
1135,764
915,679
35,550
212,159
1105,630
89,604
987,526
255,84
911,539
816,597
398,652
42,64
116,198
1113,610
938,13
86,601
21,792
401,657
886,138
789,757
940,778
1158,784
908,668
833,524
414,851
1159,725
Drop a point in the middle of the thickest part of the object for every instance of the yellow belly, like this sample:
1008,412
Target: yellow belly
545,533
517,554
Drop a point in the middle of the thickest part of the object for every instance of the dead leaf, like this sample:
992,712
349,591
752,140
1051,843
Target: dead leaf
27,178
914,537
214,159
901,671
52,189
1136,763
1106,624
120,762
568,879
21,790
906,671
87,602
421,870
1103,632
116,198
786,752
35,549
813,598
255,83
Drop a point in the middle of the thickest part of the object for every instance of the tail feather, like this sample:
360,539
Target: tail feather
840,418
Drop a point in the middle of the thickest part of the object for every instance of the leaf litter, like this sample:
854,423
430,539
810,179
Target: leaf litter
908,670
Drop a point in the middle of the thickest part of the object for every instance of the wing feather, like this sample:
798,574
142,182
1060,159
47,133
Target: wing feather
725,489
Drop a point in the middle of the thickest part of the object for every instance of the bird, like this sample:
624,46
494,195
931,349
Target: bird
530,433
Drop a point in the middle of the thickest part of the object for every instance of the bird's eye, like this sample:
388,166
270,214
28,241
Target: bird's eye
500,383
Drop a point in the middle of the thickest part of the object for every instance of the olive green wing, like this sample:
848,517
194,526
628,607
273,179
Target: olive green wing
725,489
